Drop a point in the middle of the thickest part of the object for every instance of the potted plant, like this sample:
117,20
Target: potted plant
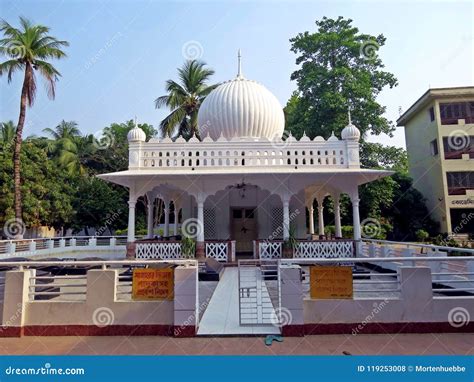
188,247
290,244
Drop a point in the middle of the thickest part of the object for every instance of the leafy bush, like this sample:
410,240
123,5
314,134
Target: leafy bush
422,235
188,246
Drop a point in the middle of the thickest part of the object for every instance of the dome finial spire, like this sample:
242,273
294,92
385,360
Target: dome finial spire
239,58
135,121
349,114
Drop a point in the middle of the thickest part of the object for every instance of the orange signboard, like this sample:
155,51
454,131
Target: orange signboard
331,282
153,284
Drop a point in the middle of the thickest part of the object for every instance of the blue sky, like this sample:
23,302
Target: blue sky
122,52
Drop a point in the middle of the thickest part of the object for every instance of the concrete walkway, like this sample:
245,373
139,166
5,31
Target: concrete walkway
362,344
222,314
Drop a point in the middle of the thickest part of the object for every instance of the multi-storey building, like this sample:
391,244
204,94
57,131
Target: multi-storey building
439,133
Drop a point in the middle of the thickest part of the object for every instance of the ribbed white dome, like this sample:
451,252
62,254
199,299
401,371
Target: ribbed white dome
136,134
241,108
350,132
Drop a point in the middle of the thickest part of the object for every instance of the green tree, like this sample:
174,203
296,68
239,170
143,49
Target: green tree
114,155
408,212
67,145
28,49
64,130
7,134
379,194
338,68
48,191
99,204
376,155
184,99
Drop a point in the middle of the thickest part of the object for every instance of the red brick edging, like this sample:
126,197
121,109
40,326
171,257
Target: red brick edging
376,328
190,331
92,330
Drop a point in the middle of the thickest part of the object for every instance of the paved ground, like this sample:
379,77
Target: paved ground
459,344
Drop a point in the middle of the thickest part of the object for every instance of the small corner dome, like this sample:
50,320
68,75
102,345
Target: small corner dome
241,108
136,134
350,132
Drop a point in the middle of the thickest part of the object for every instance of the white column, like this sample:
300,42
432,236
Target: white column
176,213
355,215
131,220
311,218
337,216
320,217
200,218
167,218
286,219
150,218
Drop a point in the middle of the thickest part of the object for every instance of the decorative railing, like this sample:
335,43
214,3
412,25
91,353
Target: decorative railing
326,249
160,250
193,155
223,251
62,245
269,249
306,249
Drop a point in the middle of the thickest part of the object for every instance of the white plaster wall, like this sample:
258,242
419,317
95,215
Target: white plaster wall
100,300
416,304
391,310
82,313
101,307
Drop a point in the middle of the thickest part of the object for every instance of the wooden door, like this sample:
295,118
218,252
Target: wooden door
244,228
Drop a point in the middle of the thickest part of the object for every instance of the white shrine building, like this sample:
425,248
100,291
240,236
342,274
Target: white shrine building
243,184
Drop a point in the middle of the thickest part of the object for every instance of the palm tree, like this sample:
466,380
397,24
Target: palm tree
7,134
28,50
64,130
69,147
77,157
62,137
184,99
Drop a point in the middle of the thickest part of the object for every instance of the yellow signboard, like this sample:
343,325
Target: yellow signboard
153,284
331,282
